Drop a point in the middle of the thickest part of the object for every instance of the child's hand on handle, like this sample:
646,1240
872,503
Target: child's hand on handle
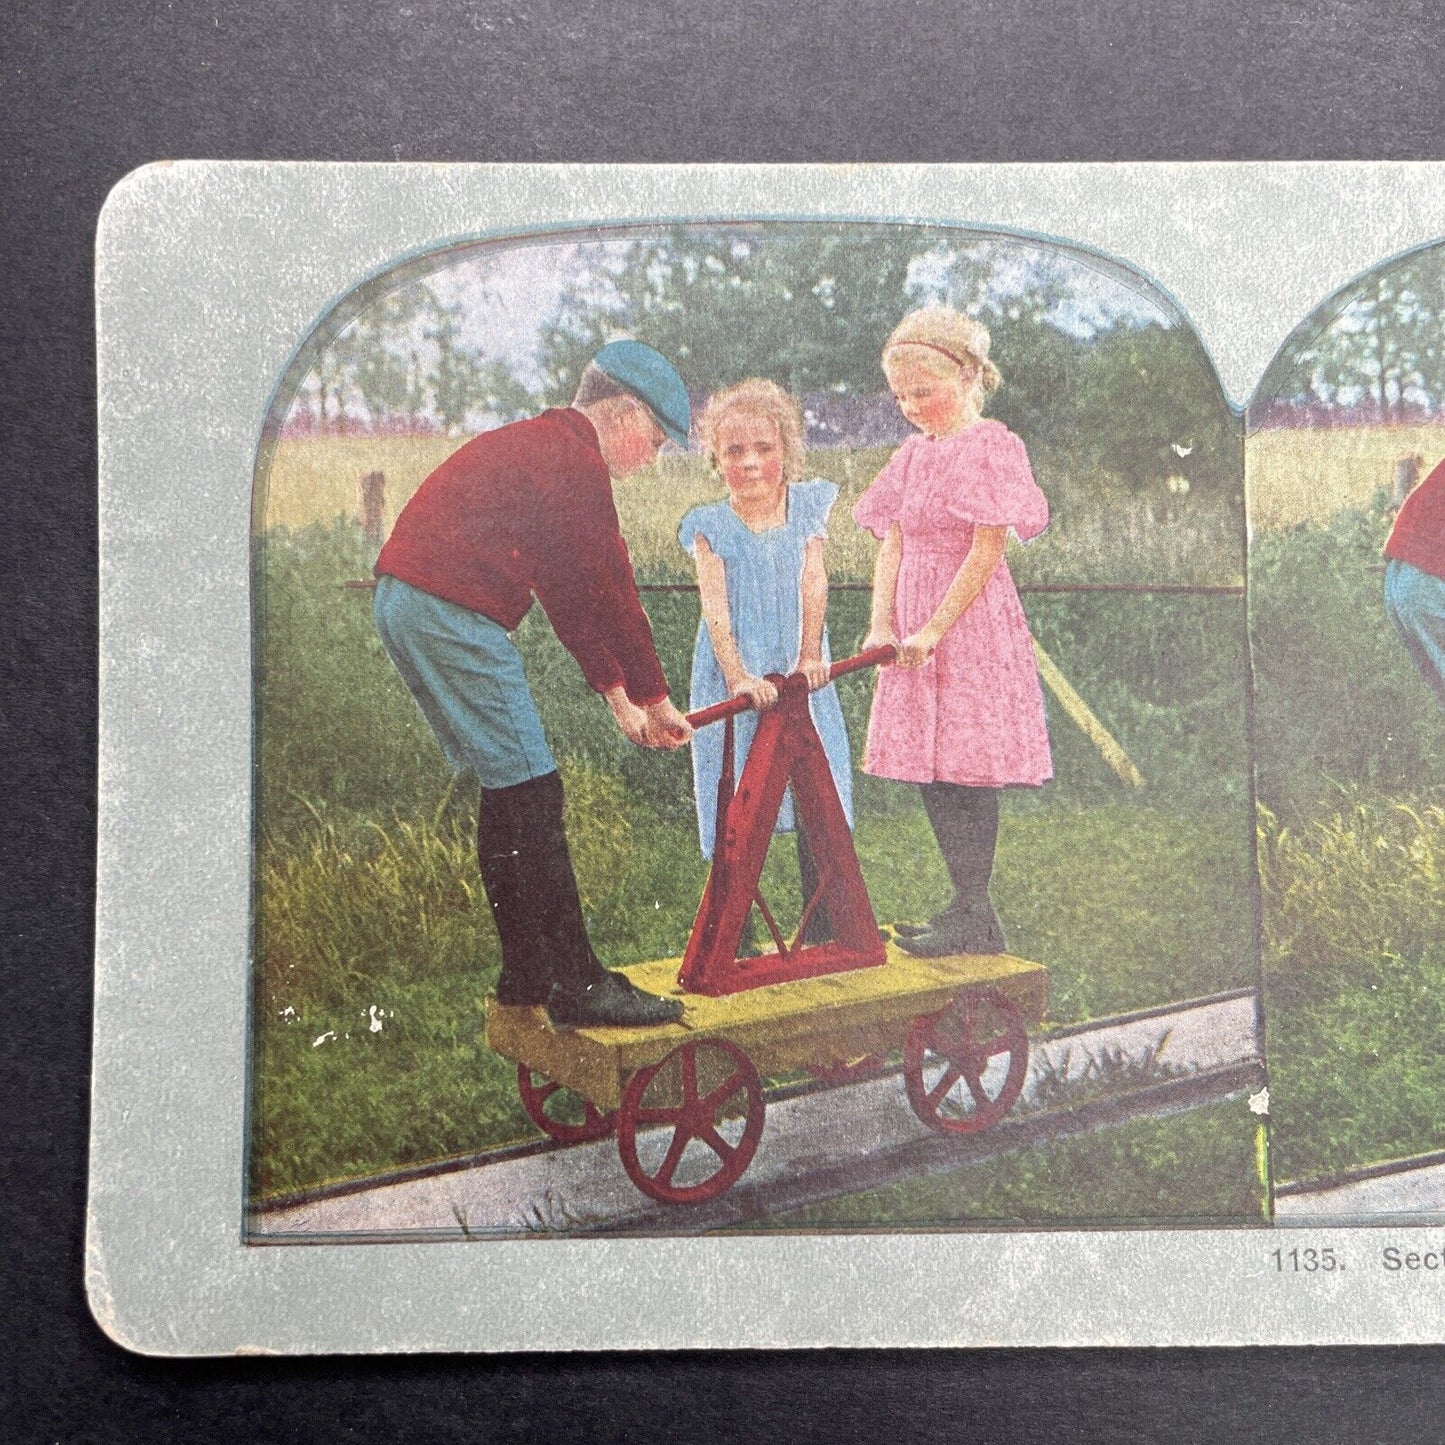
916,650
627,715
815,670
758,691
666,728
879,637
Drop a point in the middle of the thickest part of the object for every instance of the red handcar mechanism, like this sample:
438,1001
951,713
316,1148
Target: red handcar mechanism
686,1099
786,752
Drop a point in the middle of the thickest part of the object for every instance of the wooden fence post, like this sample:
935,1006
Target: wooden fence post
1407,473
371,506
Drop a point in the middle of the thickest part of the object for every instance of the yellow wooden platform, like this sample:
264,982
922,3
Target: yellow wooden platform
784,1027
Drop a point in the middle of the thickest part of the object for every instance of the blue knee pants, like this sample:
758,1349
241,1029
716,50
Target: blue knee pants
1415,602
466,676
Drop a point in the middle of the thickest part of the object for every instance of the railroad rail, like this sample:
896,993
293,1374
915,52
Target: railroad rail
1390,1192
823,1141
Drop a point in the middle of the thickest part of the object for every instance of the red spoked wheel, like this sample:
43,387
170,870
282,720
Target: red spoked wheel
965,1067
689,1126
558,1112
851,1071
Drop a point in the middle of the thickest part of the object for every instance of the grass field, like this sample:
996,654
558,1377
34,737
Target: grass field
1194,1166
315,480
1354,933
1304,474
376,952
375,964
1350,768
1097,534
1294,475
373,947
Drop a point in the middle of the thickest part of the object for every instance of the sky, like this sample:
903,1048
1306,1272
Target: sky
509,292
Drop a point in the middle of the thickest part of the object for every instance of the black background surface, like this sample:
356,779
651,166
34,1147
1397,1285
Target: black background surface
90,92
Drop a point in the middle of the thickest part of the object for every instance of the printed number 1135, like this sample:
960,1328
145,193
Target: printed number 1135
1306,1261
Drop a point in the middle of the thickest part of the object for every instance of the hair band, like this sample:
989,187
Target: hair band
977,362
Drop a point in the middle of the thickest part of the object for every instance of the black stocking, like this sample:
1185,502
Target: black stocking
965,822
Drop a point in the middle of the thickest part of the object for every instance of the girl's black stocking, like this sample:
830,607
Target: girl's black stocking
965,822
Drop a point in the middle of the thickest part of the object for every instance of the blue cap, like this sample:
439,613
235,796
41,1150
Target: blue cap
653,380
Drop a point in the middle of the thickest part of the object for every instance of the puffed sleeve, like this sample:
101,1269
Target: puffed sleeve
704,522
996,486
881,506
811,504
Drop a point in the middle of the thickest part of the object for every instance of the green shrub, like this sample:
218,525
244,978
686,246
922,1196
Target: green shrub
334,722
350,906
336,725
1336,696
1365,880
1356,1072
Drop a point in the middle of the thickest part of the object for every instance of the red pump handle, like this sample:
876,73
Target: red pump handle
874,657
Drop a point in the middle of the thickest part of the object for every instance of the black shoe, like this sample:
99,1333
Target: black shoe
934,943
613,999
983,933
911,930
972,930
946,919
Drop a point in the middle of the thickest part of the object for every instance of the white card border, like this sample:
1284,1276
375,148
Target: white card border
209,275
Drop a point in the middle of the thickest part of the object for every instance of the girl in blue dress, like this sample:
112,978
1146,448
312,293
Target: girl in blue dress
764,589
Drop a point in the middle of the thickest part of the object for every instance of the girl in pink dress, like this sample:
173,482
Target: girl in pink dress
961,713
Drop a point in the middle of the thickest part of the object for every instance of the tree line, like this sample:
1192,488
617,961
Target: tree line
1380,341
403,358
1125,392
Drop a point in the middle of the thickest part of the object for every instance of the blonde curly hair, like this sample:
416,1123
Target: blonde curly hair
945,341
760,398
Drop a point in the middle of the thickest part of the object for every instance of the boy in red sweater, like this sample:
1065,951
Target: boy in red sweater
521,512
1415,578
